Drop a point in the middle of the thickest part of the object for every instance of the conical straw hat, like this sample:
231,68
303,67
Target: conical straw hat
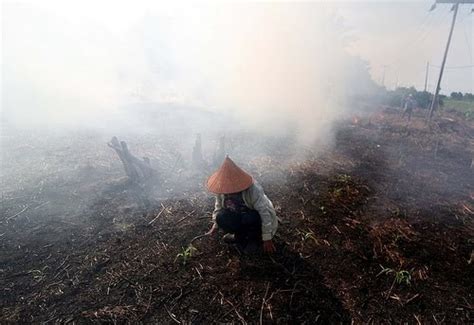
229,178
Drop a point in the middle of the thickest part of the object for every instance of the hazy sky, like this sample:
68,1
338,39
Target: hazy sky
404,35
400,35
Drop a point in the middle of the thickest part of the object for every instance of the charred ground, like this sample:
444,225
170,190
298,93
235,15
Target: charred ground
377,228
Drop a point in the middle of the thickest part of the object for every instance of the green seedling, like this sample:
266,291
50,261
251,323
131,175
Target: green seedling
402,276
337,192
38,275
323,209
306,235
344,178
186,254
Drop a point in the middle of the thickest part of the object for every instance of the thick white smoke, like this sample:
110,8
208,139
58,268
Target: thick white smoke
277,67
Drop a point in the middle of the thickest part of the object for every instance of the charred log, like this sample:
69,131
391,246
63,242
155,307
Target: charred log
219,155
137,170
198,160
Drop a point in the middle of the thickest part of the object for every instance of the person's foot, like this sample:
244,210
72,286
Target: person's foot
229,238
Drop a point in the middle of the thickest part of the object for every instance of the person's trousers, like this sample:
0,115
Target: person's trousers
407,111
246,226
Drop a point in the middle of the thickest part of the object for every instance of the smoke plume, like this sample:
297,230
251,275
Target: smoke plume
272,67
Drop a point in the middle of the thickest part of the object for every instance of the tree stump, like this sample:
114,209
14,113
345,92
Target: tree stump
220,152
137,170
198,160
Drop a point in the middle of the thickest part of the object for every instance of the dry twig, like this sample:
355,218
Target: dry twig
172,316
159,214
16,215
263,303
197,237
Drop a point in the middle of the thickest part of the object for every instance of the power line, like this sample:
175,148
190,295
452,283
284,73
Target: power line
455,67
466,38
430,30
438,18
417,34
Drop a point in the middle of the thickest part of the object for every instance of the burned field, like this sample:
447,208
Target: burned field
376,228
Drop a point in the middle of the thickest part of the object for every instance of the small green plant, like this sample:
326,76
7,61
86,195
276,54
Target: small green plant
305,235
337,192
402,276
186,254
344,178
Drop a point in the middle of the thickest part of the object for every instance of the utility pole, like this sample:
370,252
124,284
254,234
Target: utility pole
426,75
438,84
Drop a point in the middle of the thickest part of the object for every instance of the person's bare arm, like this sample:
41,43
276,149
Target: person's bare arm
267,214
268,246
217,208
213,229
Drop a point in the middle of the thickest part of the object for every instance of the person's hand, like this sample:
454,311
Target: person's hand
213,230
268,246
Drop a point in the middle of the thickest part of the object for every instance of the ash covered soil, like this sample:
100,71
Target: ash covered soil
376,228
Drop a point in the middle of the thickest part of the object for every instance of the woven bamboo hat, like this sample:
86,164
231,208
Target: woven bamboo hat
229,178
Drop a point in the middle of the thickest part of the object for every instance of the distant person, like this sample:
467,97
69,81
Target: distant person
242,210
408,106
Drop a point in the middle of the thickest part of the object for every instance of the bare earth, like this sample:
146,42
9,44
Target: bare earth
376,229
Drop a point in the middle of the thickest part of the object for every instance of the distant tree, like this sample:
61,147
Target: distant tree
456,95
469,96
423,99
397,97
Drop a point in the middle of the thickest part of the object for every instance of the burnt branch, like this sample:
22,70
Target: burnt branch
137,170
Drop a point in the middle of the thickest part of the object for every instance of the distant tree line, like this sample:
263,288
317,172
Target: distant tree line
396,97
423,98
461,96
